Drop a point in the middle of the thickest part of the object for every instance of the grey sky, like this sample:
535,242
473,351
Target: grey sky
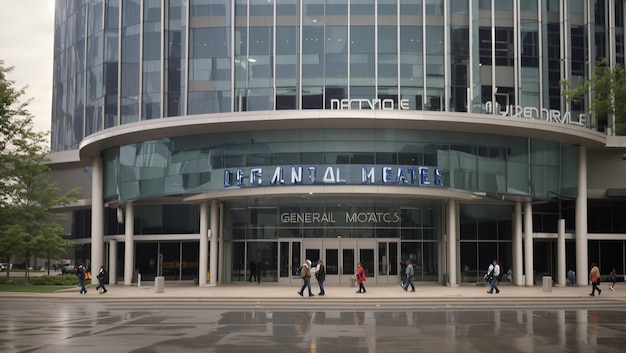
26,42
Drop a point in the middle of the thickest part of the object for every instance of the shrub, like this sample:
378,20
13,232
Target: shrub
59,280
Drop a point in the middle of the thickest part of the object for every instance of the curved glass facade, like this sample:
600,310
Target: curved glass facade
118,62
472,162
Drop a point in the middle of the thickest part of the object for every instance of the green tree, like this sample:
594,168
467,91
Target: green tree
27,198
608,87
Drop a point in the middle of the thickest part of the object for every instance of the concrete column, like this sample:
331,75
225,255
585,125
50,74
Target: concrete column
452,243
581,219
97,215
204,242
528,243
113,261
560,250
220,244
518,265
129,243
215,212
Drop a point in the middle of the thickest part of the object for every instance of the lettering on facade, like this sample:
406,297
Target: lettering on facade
349,217
371,104
551,115
333,175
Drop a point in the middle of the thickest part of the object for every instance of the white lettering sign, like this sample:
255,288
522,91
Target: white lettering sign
551,115
329,217
371,104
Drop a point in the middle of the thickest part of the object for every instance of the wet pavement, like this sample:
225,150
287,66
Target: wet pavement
273,318
131,326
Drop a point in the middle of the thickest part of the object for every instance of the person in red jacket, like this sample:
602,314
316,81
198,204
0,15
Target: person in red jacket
360,278
594,277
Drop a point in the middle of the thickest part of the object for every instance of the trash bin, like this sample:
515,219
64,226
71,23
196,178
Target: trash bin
159,284
547,284
195,281
352,281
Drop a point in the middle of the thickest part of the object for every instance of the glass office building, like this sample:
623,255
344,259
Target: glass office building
207,134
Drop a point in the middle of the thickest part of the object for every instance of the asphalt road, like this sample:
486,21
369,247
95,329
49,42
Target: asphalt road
51,325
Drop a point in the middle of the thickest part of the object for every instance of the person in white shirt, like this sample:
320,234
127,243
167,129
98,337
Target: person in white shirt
492,276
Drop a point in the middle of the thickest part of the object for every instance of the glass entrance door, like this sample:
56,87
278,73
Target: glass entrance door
341,257
388,262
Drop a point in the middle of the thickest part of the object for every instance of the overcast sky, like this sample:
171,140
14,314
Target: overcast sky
27,42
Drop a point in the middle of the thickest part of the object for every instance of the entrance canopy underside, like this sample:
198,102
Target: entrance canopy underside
337,190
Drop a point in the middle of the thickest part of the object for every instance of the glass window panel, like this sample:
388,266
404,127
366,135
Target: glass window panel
434,7
387,7
362,54
411,7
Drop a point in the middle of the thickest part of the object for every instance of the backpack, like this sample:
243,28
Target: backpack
499,276
301,272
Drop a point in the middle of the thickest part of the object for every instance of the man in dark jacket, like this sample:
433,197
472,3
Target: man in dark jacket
320,274
80,274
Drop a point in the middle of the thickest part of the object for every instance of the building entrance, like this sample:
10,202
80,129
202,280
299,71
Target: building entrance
341,258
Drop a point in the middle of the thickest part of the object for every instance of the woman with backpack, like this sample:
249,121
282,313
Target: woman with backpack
305,274
493,272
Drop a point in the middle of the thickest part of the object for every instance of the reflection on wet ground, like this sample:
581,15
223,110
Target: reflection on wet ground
195,327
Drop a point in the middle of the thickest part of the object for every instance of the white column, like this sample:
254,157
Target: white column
220,245
113,261
97,215
129,243
581,219
518,265
528,243
204,242
452,243
215,212
560,250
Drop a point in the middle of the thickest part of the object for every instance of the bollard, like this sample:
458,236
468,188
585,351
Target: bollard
138,279
159,284
547,284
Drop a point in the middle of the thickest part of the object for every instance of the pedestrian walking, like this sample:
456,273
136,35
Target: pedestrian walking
260,266
410,272
402,272
360,278
252,268
612,278
594,277
492,277
305,273
80,275
571,276
320,275
103,279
